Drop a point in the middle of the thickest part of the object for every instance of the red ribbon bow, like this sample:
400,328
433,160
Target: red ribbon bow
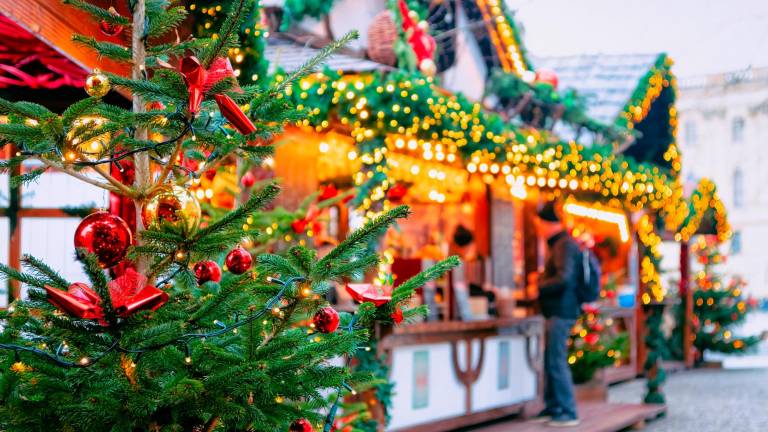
129,294
199,81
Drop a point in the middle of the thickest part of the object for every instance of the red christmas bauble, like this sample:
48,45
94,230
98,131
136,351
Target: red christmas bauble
547,76
326,320
299,226
300,425
105,235
248,180
207,271
238,261
109,28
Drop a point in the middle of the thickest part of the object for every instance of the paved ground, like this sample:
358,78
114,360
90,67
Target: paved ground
708,401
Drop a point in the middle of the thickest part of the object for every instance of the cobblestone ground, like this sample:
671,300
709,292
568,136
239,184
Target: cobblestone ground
708,401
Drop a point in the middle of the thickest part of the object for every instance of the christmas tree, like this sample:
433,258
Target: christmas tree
594,344
718,305
179,327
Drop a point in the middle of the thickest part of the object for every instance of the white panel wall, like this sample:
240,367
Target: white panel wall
487,393
446,397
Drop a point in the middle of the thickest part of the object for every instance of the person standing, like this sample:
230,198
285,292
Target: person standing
559,303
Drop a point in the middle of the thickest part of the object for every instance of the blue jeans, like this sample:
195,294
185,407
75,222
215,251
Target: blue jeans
558,386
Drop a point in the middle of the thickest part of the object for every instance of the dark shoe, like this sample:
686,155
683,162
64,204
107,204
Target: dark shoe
542,417
564,421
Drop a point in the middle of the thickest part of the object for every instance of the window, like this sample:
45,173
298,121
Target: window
691,136
736,243
737,130
738,188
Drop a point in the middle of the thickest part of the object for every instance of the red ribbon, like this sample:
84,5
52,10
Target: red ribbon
129,294
370,293
194,76
234,114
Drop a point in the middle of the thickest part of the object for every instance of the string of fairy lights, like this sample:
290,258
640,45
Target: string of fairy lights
504,36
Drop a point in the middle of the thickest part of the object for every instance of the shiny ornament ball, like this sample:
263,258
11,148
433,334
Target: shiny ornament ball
97,84
248,180
547,76
428,67
207,271
301,425
238,261
108,28
326,320
105,235
172,205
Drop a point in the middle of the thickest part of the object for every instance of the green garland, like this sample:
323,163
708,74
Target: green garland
377,105
654,342
509,88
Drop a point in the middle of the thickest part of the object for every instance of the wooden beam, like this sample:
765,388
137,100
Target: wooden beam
54,23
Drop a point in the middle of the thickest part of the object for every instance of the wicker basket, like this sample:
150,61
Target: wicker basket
381,39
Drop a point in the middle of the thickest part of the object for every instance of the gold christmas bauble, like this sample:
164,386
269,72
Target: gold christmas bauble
97,84
90,149
172,205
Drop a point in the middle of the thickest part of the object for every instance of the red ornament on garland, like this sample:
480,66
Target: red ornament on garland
300,425
299,226
397,316
327,192
547,76
207,271
238,261
105,235
108,28
326,320
592,338
248,180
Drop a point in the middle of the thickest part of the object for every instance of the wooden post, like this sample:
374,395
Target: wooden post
14,225
141,160
686,295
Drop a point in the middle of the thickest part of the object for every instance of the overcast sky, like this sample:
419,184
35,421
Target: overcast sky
702,36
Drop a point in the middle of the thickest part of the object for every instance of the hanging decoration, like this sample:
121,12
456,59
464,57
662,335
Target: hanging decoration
97,84
238,260
207,271
301,425
173,205
326,320
104,235
112,26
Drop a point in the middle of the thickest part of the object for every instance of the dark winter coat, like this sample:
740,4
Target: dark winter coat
559,281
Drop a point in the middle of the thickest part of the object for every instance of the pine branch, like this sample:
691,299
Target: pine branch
99,13
98,279
309,66
42,270
13,274
78,109
166,21
227,34
405,290
26,109
105,49
362,236
27,177
237,217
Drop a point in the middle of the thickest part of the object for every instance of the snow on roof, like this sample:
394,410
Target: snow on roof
605,81
290,56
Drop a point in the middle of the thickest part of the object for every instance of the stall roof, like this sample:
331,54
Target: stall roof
606,81
290,56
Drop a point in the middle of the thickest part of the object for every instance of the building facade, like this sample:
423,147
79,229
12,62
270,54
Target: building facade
723,134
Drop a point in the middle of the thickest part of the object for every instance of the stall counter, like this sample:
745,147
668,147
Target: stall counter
454,374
